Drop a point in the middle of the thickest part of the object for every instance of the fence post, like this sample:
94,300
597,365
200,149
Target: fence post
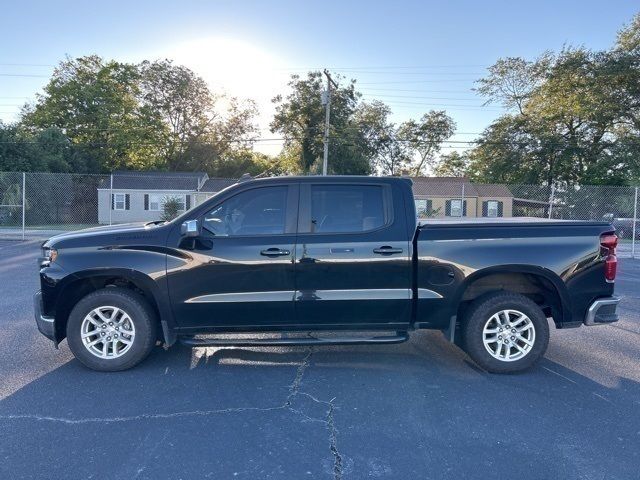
551,198
635,220
24,184
110,202
462,206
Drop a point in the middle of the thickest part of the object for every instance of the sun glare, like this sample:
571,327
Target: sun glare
236,68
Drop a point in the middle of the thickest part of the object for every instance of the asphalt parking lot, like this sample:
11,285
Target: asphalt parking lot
415,410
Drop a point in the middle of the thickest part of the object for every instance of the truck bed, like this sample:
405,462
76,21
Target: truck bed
509,221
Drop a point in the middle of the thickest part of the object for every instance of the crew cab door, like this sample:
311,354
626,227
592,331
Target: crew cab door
352,256
239,271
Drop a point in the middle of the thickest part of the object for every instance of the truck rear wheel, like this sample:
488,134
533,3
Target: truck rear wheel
111,329
505,332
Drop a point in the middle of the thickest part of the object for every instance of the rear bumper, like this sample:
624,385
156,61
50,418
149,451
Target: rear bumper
602,311
46,325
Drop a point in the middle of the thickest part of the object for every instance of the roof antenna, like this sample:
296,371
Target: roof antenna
244,178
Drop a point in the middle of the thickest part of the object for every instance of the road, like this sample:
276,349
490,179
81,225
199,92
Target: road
415,410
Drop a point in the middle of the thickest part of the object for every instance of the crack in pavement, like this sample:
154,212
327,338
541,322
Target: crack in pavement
142,416
295,385
329,422
333,443
294,391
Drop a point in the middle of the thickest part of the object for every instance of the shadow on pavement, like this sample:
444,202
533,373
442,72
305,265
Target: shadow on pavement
416,410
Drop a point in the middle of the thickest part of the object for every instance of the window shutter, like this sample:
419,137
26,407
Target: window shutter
485,208
113,201
187,202
447,208
464,208
499,209
146,201
127,201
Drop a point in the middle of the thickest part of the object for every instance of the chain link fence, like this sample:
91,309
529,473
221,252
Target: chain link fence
40,205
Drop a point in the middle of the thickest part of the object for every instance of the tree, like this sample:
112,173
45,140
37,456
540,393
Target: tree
170,208
387,155
48,150
512,80
629,37
452,164
300,116
577,117
16,151
424,137
95,103
97,116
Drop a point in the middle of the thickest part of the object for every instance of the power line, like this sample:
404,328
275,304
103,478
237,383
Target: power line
375,95
26,65
447,80
387,67
419,90
23,75
377,72
402,102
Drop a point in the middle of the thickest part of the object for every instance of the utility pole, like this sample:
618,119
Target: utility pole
326,101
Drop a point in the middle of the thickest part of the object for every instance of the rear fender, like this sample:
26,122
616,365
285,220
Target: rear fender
552,277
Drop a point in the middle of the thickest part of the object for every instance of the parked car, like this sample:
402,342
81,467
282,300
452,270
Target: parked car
624,226
323,254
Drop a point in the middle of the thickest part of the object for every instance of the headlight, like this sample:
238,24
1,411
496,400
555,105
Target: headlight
49,254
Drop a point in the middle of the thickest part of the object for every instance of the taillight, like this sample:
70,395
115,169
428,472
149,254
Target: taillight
610,268
609,242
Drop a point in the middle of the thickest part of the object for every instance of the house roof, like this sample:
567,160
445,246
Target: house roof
217,184
155,180
443,187
452,187
492,190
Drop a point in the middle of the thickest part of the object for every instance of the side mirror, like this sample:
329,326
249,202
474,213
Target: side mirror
190,228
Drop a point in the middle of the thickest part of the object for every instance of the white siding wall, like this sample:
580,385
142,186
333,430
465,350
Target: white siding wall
136,212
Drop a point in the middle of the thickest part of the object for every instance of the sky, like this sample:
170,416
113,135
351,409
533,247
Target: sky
414,56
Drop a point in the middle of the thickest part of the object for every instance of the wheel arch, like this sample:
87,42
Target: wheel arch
535,282
84,282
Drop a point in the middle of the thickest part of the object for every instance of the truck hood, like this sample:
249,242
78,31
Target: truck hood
108,234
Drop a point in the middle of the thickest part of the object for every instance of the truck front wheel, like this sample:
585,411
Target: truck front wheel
505,332
111,329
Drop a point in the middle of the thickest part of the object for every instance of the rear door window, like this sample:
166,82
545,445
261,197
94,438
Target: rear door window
347,208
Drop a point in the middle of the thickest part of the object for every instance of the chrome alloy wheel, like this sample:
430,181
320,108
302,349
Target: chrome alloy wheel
107,332
509,335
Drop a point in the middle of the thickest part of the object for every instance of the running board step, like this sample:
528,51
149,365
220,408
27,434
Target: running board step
261,342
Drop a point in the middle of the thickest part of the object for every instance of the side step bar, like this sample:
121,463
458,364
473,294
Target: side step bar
261,342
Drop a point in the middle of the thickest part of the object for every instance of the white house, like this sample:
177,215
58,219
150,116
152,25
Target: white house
140,196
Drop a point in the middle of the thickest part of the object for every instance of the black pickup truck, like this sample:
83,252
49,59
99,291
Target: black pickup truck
344,255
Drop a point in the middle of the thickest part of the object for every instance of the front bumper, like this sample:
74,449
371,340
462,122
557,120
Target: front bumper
602,311
46,325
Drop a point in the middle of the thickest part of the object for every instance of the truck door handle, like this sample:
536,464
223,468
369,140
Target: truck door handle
274,252
386,250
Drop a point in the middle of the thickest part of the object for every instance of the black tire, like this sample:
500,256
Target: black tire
479,313
139,311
